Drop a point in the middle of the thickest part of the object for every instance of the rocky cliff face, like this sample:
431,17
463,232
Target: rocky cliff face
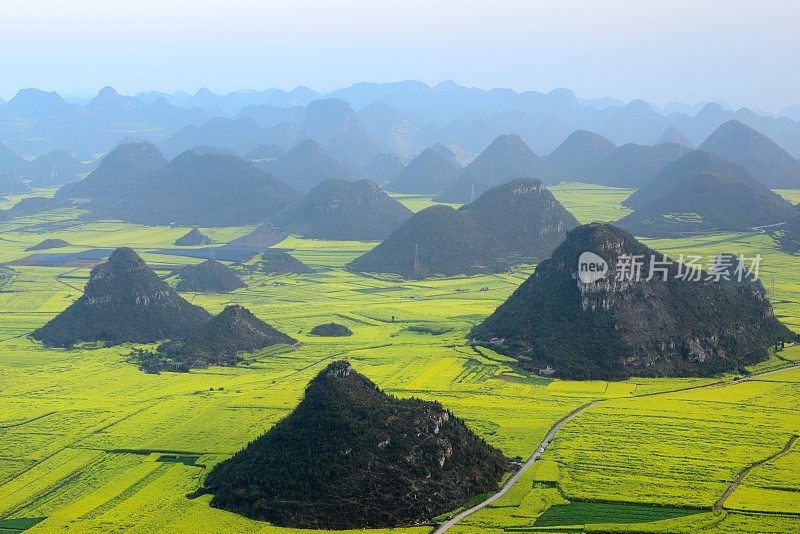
655,324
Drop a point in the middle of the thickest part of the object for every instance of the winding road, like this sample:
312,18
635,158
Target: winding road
444,527
721,503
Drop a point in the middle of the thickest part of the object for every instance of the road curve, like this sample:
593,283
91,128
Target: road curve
721,503
444,527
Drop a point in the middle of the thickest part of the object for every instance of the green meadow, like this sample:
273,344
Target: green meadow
88,443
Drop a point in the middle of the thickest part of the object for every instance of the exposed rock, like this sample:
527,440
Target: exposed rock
615,325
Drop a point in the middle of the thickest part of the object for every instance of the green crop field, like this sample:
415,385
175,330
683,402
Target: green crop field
88,443
792,195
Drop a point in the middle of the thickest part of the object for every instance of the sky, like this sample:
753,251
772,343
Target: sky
743,52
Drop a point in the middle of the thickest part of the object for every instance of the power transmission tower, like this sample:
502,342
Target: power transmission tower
416,260
472,194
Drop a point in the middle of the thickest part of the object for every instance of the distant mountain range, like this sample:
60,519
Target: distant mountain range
506,158
403,117
589,157
51,169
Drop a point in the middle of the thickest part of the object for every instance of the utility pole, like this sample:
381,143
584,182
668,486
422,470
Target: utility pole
416,260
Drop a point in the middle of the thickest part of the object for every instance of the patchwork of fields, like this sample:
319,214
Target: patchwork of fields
88,443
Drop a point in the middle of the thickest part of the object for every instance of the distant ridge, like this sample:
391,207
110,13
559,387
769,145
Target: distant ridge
505,159
11,185
265,153
305,166
769,163
703,192
429,173
384,168
591,158
577,157
135,183
11,162
673,135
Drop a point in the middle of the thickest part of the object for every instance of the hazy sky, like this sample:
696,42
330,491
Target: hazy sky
745,52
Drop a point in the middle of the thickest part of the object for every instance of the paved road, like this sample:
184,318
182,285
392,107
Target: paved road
721,503
444,527
447,525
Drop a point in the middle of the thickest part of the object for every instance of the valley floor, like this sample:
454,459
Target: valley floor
88,443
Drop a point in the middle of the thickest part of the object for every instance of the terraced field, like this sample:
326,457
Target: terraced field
88,443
